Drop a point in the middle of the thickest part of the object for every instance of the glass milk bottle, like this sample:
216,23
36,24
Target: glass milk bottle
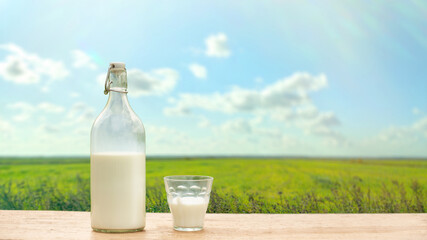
117,161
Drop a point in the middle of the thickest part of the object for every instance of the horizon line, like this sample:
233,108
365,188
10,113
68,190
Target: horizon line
232,156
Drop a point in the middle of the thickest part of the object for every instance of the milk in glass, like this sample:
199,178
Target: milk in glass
188,212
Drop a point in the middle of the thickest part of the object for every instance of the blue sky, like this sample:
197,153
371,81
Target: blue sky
226,78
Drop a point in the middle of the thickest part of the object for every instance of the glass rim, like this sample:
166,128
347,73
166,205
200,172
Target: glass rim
177,178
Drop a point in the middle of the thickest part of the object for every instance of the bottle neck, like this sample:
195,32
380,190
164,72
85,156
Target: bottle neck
117,99
118,80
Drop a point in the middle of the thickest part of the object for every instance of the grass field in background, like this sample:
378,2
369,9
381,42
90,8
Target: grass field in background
240,185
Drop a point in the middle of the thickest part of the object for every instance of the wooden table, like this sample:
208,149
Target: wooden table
76,225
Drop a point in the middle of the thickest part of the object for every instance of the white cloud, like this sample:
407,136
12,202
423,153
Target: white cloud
77,120
396,134
80,113
404,135
250,127
21,67
217,46
156,82
308,111
74,95
324,125
283,94
259,80
100,79
48,129
421,126
237,125
204,122
308,118
416,111
5,128
286,101
26,110
50,107
321,123
165,136
4,125
177,111
82,60
253,135
45,89
230,137
198,70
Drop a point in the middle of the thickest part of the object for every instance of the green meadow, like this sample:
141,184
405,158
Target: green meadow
240,185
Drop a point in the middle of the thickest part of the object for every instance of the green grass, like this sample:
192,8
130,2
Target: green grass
240,185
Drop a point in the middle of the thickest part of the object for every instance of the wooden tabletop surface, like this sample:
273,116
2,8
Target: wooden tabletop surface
76,225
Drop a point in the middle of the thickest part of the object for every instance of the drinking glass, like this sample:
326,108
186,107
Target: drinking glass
188,199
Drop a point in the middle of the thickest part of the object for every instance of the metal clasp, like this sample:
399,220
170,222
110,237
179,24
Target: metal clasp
107,81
